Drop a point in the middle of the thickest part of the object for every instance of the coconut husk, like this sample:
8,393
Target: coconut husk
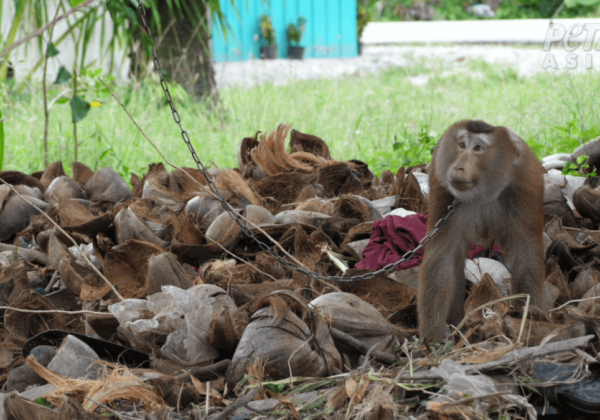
314,205
23,326
129,226
185,228
307,193
53,171
301,142
536,331
118,384
355,317
483,292
284,343
245,163
62,188
16,214
557,278
337,178
382,292
163,270
182,185
271,156
349,206
126,267
223,334
15,280
358,233
19,178
235,190
363,173
408,190
284,187
81,172
107,185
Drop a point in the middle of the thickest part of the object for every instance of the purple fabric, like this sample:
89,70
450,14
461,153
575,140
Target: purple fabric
394,236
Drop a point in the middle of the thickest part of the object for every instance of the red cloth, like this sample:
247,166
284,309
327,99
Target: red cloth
393,237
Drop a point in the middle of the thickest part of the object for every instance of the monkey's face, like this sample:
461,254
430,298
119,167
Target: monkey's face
475,165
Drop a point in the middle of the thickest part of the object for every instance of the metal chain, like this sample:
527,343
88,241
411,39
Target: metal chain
232,213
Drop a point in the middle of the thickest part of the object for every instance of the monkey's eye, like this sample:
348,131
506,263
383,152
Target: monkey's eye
478,148
462,145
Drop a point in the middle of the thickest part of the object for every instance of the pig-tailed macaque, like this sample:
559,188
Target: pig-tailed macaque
499,184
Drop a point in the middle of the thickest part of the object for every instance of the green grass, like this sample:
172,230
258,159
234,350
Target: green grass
377,119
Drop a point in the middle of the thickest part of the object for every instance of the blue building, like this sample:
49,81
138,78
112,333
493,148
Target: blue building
330,28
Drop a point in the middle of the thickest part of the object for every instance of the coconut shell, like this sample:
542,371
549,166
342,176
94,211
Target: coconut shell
200,206
299,216
53,171
352,315
28,191
585,280
163,270
19,178
129,226
4,193
226,231
56,252
16,213
587,202
82,173
63,188
107,185
285,347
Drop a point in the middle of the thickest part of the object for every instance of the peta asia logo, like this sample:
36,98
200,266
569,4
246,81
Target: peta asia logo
579,41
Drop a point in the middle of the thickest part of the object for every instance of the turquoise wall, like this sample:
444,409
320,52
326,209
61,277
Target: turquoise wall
330,28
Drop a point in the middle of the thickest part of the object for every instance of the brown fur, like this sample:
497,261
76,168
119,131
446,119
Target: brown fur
500,188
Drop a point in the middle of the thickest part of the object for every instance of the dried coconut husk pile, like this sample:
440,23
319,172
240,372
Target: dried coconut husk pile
162,269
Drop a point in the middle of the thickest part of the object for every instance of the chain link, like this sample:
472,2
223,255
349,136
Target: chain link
232,213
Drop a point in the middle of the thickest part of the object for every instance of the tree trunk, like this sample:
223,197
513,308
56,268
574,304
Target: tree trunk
185,49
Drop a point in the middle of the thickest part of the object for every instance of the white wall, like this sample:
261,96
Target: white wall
27,55
469,31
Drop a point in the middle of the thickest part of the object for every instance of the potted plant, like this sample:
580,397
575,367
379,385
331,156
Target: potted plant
268,51
294,33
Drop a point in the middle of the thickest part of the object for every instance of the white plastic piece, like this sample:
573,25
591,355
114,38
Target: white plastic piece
423,181
399,212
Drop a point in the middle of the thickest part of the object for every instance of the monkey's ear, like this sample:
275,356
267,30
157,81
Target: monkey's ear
478,127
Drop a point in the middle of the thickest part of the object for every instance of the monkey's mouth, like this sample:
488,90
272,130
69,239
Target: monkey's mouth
462,185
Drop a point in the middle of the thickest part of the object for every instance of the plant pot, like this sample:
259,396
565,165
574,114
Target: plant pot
268,52
295,53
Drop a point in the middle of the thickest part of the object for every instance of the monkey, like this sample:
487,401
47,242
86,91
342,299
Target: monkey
498,182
